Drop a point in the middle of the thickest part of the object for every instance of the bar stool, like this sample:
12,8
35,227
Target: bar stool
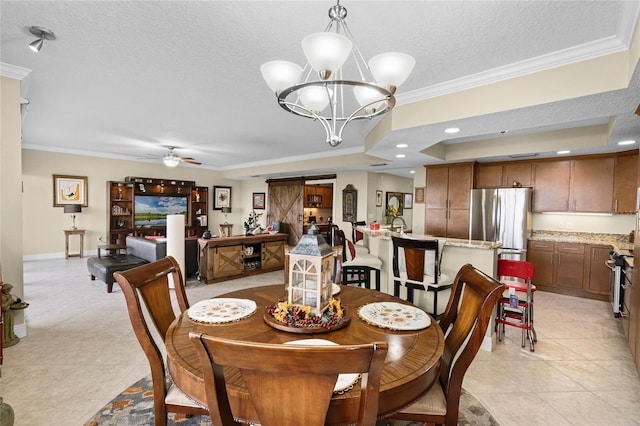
358,265
520,313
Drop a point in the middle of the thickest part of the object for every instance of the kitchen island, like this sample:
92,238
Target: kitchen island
455,253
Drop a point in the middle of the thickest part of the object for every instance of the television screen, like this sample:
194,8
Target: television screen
152,210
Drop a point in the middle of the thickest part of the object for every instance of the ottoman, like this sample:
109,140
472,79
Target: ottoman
104,267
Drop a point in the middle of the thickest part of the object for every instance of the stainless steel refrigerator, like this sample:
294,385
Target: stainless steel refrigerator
502,215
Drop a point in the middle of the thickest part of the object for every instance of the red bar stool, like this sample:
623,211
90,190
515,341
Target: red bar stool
518,313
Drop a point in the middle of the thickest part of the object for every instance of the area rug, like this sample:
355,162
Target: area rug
134,407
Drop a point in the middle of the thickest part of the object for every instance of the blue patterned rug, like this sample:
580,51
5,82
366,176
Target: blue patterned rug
134,407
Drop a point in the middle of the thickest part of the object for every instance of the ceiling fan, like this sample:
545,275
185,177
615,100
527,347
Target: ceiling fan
171,159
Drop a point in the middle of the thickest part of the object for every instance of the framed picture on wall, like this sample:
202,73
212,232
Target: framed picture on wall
349,204
69,190
395,204
408,201
221,197
258,200
378,198
419,199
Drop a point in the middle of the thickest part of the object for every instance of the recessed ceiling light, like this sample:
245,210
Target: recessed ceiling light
629,142
402,145
564,151
412,171
452,130
400,155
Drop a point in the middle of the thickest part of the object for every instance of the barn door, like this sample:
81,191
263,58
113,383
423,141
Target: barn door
286,206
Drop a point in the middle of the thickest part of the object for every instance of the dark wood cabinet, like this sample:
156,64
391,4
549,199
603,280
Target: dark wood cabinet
199,221
447,200
551,186
120,215
598,277
624,189
501,175
570,268
592,185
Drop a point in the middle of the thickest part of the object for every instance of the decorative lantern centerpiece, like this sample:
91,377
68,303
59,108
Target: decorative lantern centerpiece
311,272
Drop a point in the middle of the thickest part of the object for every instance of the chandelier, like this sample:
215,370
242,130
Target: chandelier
320,91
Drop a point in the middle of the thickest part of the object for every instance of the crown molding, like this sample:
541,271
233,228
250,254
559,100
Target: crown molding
583,52
13,71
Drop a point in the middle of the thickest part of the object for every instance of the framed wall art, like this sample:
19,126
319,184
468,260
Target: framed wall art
69,190
408,201
221,197
349,204
378,198
419,199
258,200
395,203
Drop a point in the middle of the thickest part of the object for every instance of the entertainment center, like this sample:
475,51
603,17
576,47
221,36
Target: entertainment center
139,206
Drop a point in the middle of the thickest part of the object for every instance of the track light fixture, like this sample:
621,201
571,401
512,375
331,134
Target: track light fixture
42,34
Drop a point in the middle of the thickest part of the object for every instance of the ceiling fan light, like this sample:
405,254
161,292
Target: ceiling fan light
366,96
391,69
315,98
171,160
326,52
280,74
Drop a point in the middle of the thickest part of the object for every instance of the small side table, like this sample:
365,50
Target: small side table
112,249
78,232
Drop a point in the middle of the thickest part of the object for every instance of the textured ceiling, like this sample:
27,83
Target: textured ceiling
127,79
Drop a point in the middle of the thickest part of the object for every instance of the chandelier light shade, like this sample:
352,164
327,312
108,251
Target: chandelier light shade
321,92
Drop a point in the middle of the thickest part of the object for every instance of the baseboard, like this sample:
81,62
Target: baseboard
488,343
46,256
20,330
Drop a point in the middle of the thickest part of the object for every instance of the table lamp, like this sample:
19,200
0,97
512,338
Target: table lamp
226,210
73,209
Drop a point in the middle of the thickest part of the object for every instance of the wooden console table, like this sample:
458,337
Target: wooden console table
232,257
78,232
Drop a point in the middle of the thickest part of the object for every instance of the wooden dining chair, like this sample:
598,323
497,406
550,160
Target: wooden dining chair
289,384
464,324
150,283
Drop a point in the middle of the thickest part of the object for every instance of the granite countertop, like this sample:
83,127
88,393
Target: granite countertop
619,240
386,234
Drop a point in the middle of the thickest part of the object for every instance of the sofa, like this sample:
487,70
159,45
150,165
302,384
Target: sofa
140,250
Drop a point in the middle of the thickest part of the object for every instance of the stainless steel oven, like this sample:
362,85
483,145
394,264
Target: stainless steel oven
616,264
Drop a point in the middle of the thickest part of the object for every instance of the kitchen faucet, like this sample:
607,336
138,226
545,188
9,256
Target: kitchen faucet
404,224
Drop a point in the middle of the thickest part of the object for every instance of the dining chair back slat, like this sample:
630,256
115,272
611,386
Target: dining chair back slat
464,324
289,384
150,283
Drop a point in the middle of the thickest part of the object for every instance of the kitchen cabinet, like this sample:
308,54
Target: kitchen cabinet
570,268
318,196
447,200
624,185
592,185
501,175
598,277
551,186
582,185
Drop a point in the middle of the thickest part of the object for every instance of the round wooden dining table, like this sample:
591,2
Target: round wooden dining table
411,366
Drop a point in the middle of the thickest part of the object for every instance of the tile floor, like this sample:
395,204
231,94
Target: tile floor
81,352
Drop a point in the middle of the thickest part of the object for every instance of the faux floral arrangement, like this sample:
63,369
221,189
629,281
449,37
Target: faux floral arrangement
392,210
301,315
252,221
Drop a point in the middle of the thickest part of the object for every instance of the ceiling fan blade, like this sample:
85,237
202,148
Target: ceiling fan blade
185,160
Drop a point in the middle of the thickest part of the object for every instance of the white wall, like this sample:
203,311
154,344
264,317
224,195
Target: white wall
615,224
